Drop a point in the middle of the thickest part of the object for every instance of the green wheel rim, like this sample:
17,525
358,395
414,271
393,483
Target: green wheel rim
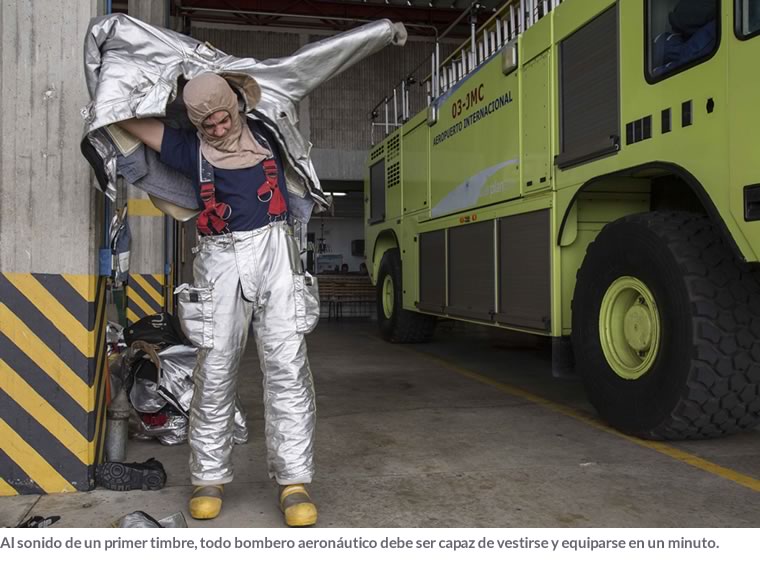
388,298
629,327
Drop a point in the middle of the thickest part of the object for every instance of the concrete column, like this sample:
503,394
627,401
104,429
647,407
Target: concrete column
148,291
154,12
52,360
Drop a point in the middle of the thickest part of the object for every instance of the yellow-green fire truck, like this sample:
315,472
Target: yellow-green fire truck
587,170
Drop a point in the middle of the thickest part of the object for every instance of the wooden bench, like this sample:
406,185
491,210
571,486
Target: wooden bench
354,292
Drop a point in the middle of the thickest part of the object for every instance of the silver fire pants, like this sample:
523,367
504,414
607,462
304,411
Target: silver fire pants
238,277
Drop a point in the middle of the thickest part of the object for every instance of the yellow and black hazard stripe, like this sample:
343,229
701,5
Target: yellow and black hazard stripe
52,381
145,296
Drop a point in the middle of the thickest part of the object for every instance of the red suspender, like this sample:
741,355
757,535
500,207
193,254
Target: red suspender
271,186
213,219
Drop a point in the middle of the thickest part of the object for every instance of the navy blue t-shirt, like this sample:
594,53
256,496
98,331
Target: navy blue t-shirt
236,188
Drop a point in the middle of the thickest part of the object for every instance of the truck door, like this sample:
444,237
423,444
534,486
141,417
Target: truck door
744,117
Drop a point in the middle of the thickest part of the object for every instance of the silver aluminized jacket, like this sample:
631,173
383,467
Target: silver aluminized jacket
132,71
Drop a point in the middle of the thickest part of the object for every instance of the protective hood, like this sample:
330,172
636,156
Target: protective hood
210,95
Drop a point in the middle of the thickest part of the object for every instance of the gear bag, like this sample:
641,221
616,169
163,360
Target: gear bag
160,329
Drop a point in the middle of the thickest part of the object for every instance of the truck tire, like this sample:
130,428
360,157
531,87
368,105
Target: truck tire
398,325
666,328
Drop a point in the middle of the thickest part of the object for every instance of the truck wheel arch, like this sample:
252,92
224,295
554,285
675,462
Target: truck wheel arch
384,242
656,169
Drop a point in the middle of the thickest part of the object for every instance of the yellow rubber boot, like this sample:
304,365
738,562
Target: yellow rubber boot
206,502
297,507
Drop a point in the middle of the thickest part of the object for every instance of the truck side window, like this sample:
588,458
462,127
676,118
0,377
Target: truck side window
680,33
747,18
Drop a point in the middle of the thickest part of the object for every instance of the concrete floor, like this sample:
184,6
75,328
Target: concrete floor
468,431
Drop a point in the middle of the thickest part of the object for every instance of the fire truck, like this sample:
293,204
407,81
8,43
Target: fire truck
589,171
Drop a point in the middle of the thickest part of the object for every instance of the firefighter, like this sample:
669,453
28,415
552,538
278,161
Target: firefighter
246,269
248,266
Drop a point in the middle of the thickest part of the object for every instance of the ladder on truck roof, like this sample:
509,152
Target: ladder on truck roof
501,29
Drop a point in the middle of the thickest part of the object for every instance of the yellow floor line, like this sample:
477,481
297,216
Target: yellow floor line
661,447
